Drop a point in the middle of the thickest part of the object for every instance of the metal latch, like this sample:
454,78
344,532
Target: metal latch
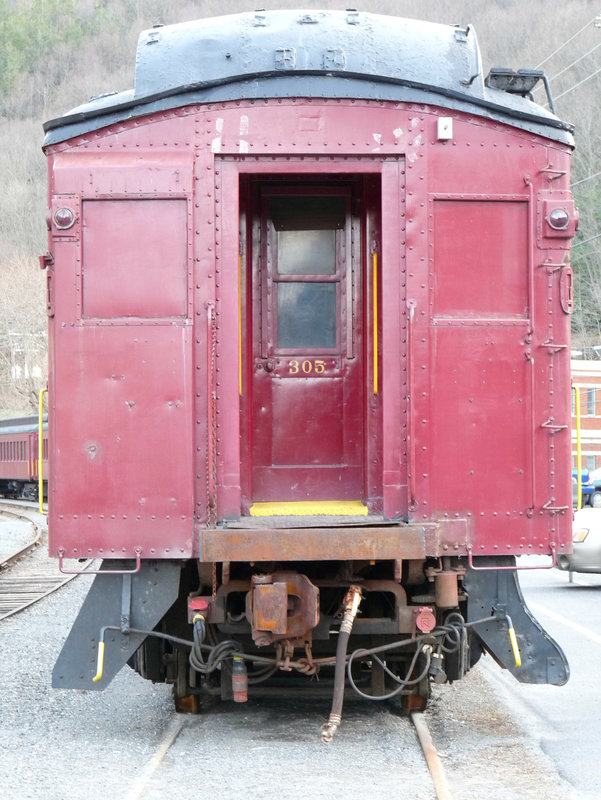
47,260
566,290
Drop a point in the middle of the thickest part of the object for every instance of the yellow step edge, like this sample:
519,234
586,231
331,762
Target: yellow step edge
309,508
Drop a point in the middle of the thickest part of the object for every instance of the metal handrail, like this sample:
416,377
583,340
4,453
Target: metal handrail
375,321
515,567
411,304
61,557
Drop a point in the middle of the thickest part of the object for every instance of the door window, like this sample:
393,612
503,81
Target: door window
307,270
306,315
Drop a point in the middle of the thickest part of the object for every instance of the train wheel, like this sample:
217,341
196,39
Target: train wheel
413,702
149,660
185,699
419,700
186,705
420,692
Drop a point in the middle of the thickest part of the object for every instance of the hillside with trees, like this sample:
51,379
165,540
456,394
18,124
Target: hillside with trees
55,55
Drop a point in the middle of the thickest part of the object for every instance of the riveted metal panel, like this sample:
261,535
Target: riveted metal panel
121,356
405,170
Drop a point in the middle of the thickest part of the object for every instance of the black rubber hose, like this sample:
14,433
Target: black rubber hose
351,606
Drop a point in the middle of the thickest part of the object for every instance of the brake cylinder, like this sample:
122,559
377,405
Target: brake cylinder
445,589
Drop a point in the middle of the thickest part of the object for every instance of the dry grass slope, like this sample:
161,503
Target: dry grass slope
66,52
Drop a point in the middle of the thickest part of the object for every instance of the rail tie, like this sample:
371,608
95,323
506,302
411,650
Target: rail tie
23,586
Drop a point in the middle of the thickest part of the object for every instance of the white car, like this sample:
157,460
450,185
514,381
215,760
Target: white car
586,537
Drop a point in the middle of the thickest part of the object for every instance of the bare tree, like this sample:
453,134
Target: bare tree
93,51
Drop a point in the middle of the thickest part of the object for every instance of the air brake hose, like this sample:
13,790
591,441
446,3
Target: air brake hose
351,606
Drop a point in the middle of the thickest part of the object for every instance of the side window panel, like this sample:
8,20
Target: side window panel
134,258
481,258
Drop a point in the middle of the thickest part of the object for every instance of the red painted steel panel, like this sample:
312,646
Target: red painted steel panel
509,341
135,170
481,258
219,277
480,421
122,424
121,378
135,258
307,422
395,389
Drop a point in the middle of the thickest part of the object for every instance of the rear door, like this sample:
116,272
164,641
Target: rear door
307,426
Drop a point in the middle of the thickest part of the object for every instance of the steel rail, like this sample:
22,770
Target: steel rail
138,790
18,592
9,510
437,773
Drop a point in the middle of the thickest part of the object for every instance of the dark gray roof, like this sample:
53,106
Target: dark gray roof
22,425
308,54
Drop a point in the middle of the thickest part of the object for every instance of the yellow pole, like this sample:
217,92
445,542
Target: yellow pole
41,450
240,324
578,449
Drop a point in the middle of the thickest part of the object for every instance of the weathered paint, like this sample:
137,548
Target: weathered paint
472,416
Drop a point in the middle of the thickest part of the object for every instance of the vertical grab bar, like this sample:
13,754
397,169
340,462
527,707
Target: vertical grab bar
375,318
530,336
211,400
411,404
41,450
578,449
240,324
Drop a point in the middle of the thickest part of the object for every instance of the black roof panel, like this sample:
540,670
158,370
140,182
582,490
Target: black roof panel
308,54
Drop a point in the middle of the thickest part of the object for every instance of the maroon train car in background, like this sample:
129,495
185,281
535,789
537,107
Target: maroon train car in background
20,457
309,293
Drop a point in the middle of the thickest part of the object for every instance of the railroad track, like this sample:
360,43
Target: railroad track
150,771
21,511
435,767
24,579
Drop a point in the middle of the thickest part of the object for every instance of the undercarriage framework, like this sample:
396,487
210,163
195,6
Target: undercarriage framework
386,629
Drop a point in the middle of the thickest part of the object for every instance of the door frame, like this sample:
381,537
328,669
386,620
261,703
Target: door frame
321,473
231,386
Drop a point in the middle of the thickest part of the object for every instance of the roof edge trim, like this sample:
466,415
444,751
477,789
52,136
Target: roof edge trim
511,113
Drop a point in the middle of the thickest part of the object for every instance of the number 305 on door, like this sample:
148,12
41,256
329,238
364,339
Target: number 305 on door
307,366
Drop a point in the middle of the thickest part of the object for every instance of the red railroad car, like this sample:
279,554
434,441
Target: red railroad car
309,292
20,457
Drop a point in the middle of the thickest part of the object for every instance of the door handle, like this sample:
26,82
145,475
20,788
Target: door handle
267,364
